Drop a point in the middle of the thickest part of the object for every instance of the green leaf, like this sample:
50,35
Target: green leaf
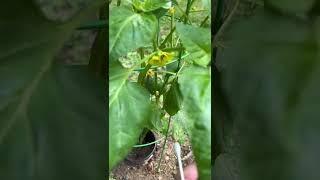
129,30
226,167
126,118
178,132
173,99
196,90
207,5
151,5
197,41
155,122
222,120
271,79
52,118
293,6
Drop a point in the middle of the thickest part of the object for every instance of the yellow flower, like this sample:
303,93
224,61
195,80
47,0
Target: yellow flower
161,58
150,72
166,56
171,10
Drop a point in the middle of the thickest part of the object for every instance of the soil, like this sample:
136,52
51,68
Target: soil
140,154
169,169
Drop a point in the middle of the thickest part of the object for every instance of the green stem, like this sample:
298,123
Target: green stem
173,49
189,4
158,33
196,11
183,14
163,44
167,72
165,82
141,52
142,74
118,2
156,84
164,145
204,21
171,30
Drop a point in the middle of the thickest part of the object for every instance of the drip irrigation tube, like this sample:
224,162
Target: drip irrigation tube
147,144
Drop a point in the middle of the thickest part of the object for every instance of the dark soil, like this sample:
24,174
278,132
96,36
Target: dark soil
139,154
169,169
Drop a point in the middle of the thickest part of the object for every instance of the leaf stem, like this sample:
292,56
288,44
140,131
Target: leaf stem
189,4
162,45
167,72
171,29
204,21
164,145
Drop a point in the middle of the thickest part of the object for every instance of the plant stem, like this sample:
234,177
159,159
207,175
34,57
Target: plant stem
158,33
164,145
183,14
162,45
189,4
204,21
171,29
173,49
118,2
156,84
167,72
141,52
142,74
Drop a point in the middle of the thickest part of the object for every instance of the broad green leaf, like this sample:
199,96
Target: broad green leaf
226,167
178,133
129,112
155,122
196,90
172,100
207,5
129,30
197,41
151,5
52,118
271,79
222,120
292,6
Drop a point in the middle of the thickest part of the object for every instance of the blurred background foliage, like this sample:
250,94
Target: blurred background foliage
266,107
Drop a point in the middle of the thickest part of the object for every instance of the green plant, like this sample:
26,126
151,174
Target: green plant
173,74
52,115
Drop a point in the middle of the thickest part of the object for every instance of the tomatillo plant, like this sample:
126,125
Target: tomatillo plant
171,77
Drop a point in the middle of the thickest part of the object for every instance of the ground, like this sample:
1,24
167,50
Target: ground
169,169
